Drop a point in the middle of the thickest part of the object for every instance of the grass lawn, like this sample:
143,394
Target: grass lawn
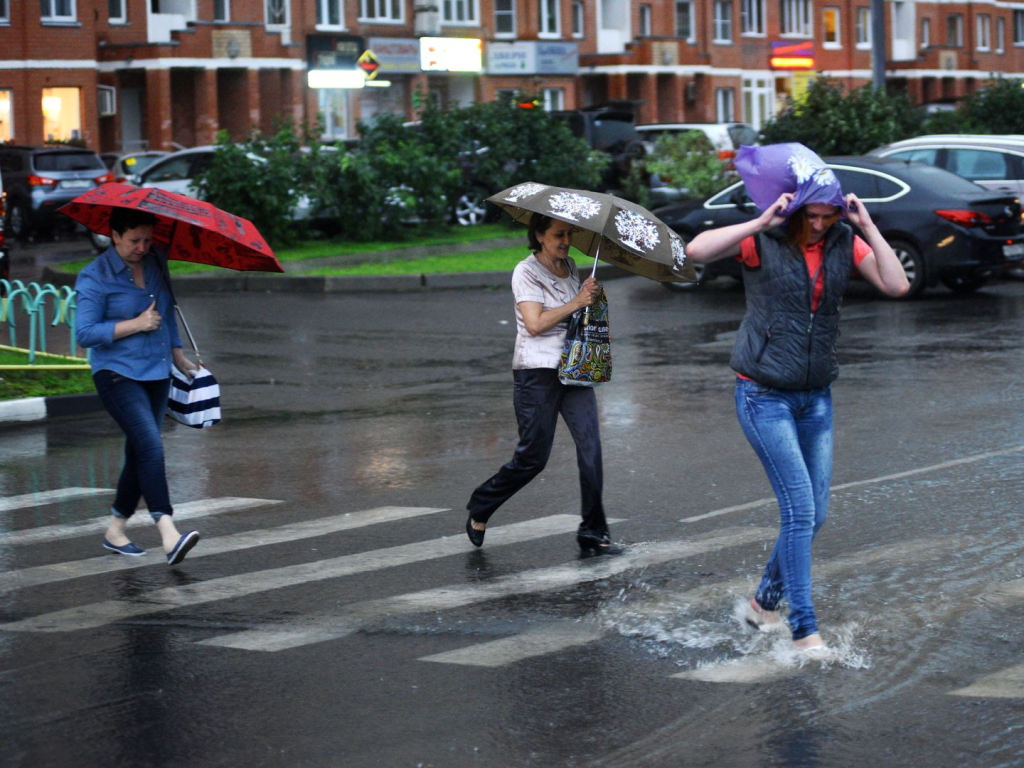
494,260
323,249
40,383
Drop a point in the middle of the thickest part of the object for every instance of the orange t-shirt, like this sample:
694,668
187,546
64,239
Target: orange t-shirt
812,255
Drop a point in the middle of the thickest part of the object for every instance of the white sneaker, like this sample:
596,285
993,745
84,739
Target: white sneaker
762,620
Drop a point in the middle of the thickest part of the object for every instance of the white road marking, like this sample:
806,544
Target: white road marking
1005,684
354,617
870,481
45,574
99,614
192,510
40,498
747,669
535,642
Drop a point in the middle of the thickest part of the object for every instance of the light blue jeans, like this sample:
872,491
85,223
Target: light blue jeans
791,432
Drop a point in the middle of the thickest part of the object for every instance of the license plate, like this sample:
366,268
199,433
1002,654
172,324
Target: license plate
1015,251
75,184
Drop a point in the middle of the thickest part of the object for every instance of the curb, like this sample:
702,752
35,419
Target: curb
256,282
39,408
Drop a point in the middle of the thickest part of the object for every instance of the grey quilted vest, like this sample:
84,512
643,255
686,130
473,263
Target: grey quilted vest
780,343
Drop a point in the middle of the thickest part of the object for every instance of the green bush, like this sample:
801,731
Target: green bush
688,162
833,122
997,108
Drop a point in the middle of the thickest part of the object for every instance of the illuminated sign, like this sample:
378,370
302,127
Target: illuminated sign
792,55
336,78
333,61
451,54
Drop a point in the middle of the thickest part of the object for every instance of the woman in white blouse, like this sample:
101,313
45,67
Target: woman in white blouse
547,291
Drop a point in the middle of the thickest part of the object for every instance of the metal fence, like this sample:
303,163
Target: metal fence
39,306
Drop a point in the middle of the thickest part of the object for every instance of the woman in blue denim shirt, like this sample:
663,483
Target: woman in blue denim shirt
126,317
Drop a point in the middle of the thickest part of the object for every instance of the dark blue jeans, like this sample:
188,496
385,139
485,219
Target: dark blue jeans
538,398
138,408
791,432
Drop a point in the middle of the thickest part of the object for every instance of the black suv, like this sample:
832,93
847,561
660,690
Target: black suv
39,180
610,129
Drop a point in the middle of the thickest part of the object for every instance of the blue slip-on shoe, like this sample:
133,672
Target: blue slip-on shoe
182,548
128,549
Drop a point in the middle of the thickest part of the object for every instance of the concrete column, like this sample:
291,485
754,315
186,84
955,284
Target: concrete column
618,88
159,125
649,95
252,99
293,91
206,107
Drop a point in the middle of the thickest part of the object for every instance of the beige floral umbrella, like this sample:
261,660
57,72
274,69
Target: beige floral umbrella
608,228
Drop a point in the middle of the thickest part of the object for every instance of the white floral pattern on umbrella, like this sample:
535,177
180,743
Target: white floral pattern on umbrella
573,206
678,253
520,191
636,232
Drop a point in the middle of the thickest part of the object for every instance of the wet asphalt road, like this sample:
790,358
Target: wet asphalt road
316,631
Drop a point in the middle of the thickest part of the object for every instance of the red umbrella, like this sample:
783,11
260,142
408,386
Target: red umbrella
191,229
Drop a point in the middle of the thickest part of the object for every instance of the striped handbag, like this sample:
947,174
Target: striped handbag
194,402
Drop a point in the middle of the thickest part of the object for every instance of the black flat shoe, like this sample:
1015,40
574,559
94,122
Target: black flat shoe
475,536
594,544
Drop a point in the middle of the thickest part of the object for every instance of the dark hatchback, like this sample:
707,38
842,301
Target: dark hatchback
942,227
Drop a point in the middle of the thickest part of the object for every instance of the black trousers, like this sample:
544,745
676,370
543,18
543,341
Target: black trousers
538,398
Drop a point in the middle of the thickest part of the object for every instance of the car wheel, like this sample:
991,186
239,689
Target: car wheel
99,242
964,283
470,209
17,221
701,272
913,265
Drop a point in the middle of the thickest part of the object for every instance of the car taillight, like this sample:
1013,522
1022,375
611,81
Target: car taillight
104,179
726,155
41,181
965,218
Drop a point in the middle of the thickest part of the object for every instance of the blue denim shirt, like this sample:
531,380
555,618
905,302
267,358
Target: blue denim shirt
107,295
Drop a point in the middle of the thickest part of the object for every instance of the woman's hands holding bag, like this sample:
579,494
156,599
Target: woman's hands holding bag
588,294
183,364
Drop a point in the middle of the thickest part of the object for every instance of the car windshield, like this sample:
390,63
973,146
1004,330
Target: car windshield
141,162
937,178
609,132
68,161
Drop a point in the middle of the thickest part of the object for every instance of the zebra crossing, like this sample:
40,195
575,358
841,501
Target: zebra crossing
540,640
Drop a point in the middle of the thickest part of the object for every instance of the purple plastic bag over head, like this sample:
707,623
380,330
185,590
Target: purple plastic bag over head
774,169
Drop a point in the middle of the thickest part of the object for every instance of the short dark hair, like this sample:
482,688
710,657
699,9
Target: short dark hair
539,224
123,219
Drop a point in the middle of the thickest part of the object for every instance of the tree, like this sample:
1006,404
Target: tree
689,162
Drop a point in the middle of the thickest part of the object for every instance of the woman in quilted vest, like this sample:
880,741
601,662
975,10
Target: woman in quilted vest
797,257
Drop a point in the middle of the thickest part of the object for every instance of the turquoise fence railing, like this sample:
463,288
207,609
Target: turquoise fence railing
31,301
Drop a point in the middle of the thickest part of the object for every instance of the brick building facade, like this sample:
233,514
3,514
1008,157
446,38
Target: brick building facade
127,74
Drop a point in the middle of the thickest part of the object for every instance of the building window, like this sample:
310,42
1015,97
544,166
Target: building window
752,17
106,100
62,114
277,13
796,17
684,20
6,114
334,117
831,35
550,23
863,27
758,101
955,30
389,11
554,99
926,32
1000,35
329,14
724,100
645,20
578,24
5,15
984,32
222,10
455,11
723,21
1018,27
58,10
116,12
505,18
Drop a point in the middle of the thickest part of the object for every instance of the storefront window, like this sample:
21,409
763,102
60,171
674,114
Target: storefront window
334,112
380,101
554,99
6,115
62,114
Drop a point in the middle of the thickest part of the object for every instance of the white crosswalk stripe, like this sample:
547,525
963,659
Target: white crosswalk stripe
192,510
356,616
1005,684
535,642
41,498
102,613
46,574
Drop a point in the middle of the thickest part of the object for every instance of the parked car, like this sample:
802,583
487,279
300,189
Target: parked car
39,180
942,227
995,162
725,138
610,129
124,166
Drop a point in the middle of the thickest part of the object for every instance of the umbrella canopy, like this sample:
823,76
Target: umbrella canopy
191,229
607,227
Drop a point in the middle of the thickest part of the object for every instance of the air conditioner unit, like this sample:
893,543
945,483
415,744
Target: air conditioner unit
106,101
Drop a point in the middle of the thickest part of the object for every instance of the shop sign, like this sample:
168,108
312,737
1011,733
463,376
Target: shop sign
451,54
787,55
530,58
397,54
334,51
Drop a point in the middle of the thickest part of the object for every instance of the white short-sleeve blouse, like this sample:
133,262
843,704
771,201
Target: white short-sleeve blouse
531,281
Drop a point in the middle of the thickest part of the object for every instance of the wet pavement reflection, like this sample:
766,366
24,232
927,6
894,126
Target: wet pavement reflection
354,624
